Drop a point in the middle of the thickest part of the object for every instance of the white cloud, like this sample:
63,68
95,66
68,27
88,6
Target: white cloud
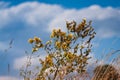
105,20
19,62
8,78
22,61
54,16
30,13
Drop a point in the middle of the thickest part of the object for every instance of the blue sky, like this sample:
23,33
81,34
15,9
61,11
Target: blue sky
21,20
71,3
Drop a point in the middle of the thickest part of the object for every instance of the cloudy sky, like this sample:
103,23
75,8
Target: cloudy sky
21,20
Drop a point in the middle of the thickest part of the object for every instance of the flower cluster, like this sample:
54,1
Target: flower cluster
65,49
48,61
62,39
37,43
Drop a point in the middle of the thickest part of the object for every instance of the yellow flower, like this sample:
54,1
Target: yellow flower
70,36
70,55
64,46
37,40
30,40
65,54
84,20
57,44
48,42
59,31
79,28
53,34
63,33
49,60
68,42
65,38
39,45
83,23
34,49
54,30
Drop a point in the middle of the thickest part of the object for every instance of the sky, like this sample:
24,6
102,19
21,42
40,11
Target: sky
24,19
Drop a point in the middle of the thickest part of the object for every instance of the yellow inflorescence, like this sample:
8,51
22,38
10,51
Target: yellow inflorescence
63,34
37,43
30,40
53,34
34,49
56,33
64,46
63,39
37,40
70,56
81,25
70,36
64,49
58,44
49,60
